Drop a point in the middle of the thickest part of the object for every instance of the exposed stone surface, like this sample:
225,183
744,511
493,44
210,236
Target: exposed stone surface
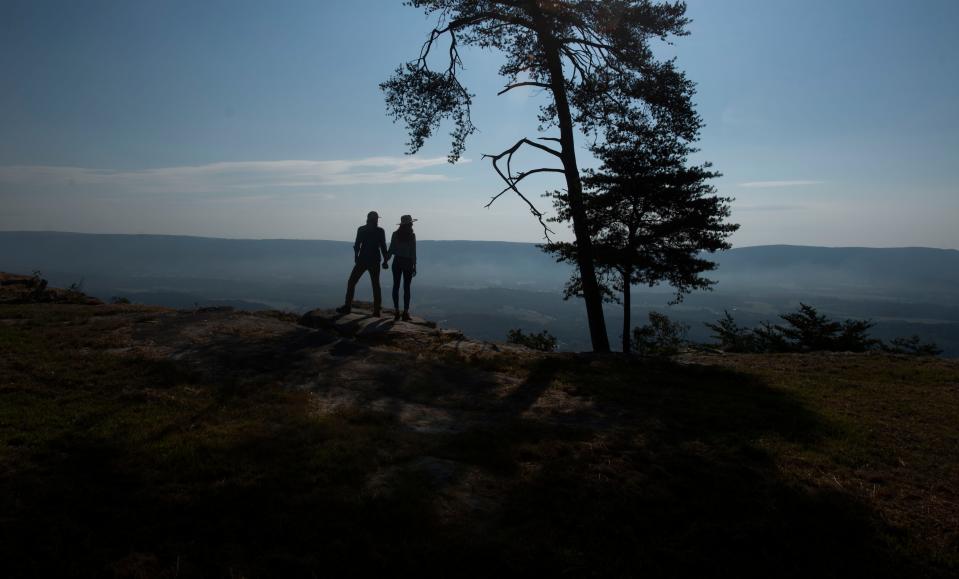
350,364
353,362
23,289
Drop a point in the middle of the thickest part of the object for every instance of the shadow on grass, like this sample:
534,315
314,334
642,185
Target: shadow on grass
673,481
662,473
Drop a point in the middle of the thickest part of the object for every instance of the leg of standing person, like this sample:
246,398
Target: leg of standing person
397,272
407,280
355,276
377,295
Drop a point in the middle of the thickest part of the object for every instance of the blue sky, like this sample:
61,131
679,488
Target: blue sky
834,123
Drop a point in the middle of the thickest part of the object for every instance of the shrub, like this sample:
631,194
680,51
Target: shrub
770,338
732,337
810,331
39,286
543,341
120,300
912,346
853,337
661,337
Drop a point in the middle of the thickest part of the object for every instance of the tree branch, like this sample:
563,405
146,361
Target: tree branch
510,87
511,181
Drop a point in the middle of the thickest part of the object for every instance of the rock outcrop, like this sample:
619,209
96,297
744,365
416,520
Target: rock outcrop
28,289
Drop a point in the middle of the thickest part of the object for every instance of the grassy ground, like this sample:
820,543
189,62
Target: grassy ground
795,465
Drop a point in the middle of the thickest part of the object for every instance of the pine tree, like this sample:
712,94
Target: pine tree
652,216
731,336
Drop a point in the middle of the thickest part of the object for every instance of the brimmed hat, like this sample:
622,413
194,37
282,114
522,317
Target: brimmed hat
372,215
407,220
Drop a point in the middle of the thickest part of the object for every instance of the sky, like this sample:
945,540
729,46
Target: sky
833,123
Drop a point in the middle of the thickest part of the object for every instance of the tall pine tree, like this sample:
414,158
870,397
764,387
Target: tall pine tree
593,57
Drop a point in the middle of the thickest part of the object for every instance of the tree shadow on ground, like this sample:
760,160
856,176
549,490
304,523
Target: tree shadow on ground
670,479
662,473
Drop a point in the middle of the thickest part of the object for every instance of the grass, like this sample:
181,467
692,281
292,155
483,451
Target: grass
792,465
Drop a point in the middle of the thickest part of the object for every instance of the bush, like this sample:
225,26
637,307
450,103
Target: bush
662,337
76,287
119,300
912,346
770,338
543,341
732,337
810,331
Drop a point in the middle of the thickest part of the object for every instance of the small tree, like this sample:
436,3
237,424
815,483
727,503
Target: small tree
770,338
853,337
731,336
662,337
651,214
912,346
811,331
808,330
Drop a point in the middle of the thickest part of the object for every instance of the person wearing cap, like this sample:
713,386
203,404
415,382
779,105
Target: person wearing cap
370,243
403,247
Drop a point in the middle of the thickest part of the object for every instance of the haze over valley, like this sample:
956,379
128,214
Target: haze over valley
486,288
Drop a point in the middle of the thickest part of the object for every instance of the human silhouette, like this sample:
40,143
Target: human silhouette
403,247
370,243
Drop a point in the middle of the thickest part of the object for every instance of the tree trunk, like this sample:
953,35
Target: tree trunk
574,188
627,341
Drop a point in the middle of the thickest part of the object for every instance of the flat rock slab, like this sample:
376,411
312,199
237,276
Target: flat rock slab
361,322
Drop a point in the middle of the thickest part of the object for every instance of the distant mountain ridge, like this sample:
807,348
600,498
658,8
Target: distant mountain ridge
488,287
472,261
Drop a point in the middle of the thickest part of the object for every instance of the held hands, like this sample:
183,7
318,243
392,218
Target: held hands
386,265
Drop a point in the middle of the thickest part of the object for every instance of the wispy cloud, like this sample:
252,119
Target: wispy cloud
773,184
232,176
769,207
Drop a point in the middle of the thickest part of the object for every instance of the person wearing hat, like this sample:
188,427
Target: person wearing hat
370,243
403,247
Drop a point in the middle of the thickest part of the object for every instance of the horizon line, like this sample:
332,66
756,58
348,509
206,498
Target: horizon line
2,231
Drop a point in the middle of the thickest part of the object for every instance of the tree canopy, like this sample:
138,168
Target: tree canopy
652,216
595,59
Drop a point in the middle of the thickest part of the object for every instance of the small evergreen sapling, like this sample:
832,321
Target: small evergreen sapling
661,337
731,336
912,346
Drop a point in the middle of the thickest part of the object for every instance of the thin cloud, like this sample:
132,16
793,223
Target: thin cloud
773,184
232,176
769,207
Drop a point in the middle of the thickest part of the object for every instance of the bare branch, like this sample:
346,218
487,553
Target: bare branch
510,87
511,182
520,177
522,142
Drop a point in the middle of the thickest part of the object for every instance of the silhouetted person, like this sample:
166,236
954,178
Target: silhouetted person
403,247
370,243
